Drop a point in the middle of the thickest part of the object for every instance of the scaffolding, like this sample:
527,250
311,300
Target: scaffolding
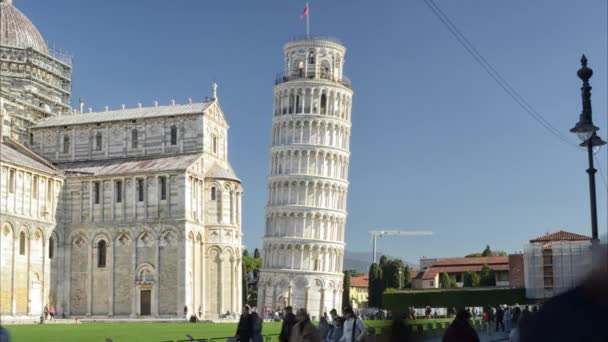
551,268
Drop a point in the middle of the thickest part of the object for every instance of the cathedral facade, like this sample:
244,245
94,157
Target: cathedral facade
131,212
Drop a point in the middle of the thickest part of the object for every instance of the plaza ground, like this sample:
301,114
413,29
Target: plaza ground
140,332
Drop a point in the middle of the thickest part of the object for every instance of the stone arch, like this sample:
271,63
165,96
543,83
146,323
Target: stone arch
145,272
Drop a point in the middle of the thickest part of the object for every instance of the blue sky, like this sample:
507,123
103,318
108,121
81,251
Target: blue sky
436,144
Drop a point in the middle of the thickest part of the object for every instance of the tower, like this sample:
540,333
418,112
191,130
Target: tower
308,181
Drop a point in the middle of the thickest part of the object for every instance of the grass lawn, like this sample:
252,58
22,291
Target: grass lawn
142,332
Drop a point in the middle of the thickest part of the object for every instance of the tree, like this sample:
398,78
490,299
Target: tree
383,261
473,255
487,277
346,287
256,253
245,253
390,274
245,285
376,286
471,279
406,281
487,252
446,282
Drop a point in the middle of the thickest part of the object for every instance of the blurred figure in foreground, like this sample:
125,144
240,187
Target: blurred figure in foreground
461,330
244,330
256,321
580,314
4,336
354,330
337,327
289,320
304,330
398,331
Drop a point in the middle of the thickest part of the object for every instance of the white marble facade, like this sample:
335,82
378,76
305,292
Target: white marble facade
308,182
133,212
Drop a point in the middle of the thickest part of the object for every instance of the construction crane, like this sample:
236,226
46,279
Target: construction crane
380,233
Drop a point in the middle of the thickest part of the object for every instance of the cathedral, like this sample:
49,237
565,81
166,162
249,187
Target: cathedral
133,212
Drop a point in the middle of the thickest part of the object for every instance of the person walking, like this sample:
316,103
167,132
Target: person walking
52,312
256,321
500,316
289,320
460,330
304,330
244,330
508,316
323,327
354,330
337,328
4,336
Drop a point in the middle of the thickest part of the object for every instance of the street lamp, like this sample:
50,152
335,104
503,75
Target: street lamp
587,132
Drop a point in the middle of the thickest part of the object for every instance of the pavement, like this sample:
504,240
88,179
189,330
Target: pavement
483,337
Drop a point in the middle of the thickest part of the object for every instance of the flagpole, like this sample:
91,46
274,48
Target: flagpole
307,21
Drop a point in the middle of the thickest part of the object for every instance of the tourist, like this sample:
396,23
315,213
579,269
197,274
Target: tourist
256,321
304,330
323,327
500,316
460,330
186,312
289,320
4,336
337,327
52,312
508,316
354,330
46,312
244,330
399,331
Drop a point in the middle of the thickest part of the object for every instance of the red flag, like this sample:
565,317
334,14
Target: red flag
305,13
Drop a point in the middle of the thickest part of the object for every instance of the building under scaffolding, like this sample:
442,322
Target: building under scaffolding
555,263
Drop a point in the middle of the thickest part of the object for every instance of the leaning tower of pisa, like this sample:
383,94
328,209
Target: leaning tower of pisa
308,182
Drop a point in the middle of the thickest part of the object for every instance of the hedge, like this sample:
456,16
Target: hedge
457,298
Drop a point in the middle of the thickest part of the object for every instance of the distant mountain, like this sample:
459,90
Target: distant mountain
360,261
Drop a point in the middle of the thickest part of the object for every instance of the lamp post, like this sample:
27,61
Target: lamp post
587,132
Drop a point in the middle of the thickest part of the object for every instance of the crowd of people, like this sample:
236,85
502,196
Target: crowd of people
298,327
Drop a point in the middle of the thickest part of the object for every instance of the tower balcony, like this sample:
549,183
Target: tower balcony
282,78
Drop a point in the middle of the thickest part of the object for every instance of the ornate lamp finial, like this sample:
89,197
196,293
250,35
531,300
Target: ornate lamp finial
584,73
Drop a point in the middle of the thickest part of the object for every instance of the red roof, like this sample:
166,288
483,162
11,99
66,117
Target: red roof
561,236
471,261
359,281
460,265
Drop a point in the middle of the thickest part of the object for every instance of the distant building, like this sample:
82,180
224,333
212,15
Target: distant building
428,277
556,262
358,290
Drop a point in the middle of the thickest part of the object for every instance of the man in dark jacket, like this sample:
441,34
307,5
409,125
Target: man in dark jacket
460,330
244,330
500,316
289,320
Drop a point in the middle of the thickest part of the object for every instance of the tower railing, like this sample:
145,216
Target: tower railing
282,78
322,38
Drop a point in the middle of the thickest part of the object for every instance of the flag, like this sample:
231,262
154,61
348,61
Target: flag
304,13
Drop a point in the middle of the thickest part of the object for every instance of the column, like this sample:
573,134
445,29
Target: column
306,297
111,268
322,304
133,269
233,285
221,276
90,280
156,300
15,253
67,275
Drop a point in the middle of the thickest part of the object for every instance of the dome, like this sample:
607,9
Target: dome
16,30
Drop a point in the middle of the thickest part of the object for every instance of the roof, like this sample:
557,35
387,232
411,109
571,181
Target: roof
217,171
127,166
17,31
431,272
471,261
359,281
126,114
17,154
561,236
459,265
